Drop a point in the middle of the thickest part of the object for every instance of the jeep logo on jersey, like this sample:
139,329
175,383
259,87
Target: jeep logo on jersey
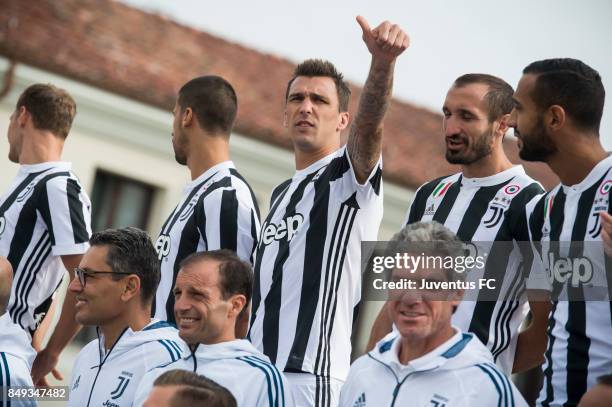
577,270
162,245
286,228
2,225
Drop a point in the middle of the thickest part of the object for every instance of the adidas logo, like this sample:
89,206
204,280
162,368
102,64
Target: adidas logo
361,401
430,210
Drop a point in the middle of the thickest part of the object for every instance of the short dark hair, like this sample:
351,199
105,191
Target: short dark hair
235,275
130,250
318,67
498,98
197,391
51,108
605,379
571,84
213,101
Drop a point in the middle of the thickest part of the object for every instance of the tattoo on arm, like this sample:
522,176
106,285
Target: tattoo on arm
365,137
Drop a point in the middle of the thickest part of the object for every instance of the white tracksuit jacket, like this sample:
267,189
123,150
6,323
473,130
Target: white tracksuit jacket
16,357
460,372
110,379
236,365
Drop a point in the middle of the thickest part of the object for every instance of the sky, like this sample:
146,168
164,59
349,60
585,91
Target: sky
448,38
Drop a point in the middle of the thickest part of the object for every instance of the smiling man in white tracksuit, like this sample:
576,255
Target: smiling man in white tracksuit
16,353
114,288
426,361
211,290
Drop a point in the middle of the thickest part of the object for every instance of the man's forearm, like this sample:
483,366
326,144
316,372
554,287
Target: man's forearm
530,350
531,343
365,137
66,327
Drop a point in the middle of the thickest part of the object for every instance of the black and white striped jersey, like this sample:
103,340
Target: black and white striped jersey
218,211
579,332
307,269
44,214
483,210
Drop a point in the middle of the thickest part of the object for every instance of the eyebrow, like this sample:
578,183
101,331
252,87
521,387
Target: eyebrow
312,95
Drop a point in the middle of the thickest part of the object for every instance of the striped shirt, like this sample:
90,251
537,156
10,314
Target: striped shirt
579,332
488,209
307,269
44,214
218,211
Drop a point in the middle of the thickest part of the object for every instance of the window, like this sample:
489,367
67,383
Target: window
118,201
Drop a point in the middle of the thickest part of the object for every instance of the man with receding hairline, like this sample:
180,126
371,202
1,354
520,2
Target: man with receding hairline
16,354
218,209
485,203
211,291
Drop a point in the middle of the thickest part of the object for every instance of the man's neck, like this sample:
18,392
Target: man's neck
304,159
492,164
414,349
573,162
205,154
136,321
40,147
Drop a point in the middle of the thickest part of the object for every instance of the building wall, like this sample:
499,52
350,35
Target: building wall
129,138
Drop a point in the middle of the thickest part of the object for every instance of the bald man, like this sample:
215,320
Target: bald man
17,355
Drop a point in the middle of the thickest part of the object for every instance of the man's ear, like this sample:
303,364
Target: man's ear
555,117
23,116
187,117
237,303
502,125
344,121
132,287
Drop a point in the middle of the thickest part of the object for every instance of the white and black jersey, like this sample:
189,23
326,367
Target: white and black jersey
488,209
218,211
579,332
307,268
44,214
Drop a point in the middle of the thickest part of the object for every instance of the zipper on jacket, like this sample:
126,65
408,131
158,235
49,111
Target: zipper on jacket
399,384
193,356
93,385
